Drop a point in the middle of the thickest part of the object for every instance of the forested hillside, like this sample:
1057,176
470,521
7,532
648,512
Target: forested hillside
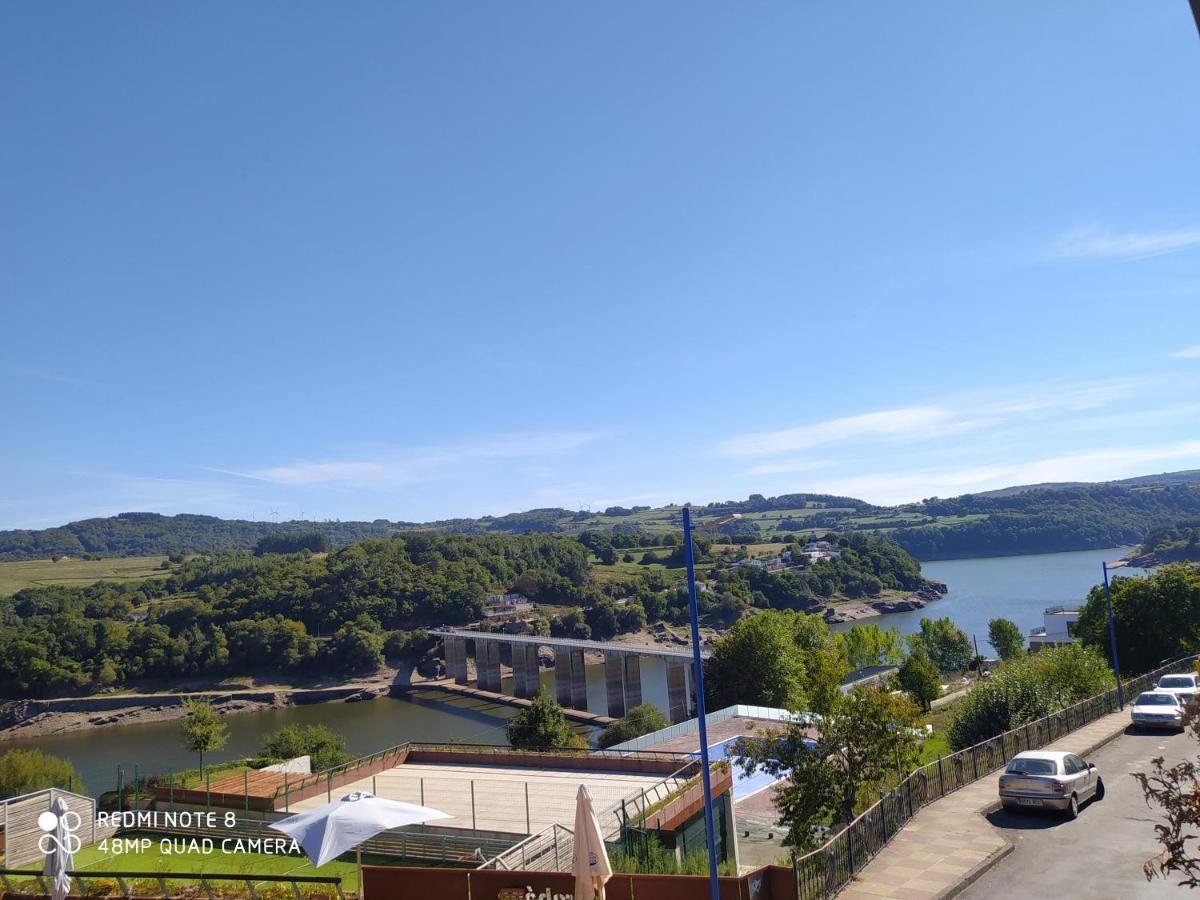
1179,542
237,613
1031,519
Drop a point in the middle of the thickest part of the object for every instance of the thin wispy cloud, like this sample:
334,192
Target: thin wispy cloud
927,422
1099,242
415,465
1192,352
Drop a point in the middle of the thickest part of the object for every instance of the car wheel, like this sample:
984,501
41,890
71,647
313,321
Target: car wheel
1073,808
1099,789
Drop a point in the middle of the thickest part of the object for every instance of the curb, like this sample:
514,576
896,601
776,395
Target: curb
978,872
982,868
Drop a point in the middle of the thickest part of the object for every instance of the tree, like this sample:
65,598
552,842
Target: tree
24,771
1155,617
1006,638
326,748
642,719
757,662
869,645
825,668
946,645
920,678
542,726
1176,790
863,741
204,731
354,649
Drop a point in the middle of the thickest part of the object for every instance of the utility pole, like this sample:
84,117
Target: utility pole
698,681
1112,632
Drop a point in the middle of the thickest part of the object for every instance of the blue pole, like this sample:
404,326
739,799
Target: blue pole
698,667
1112,636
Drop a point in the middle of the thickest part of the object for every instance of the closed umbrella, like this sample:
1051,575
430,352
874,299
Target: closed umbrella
591,866
59,844
328,831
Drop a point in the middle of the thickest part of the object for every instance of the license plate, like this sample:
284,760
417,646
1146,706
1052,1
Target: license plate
1028,801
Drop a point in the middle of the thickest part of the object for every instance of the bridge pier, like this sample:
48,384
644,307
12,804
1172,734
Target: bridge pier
622,668
677,691
487,665
633,681
456,659
526,674
614,683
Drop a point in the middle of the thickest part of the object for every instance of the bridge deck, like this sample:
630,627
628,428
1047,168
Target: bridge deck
610,647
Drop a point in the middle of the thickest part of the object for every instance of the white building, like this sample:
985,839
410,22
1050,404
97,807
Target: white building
1058,628
510,604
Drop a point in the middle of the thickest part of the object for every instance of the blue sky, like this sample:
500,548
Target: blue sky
421,260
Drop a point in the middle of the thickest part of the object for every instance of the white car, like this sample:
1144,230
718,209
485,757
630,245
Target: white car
1182,686
1045,779
1156,709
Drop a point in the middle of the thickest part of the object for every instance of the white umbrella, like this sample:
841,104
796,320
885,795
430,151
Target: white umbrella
59,844
590,865
329,831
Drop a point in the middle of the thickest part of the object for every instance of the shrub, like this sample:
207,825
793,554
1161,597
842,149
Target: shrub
640,720
1026,689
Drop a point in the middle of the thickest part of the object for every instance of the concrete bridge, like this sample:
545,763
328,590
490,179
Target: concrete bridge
622,668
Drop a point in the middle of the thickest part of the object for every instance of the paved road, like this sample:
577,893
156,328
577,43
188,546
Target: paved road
1100,854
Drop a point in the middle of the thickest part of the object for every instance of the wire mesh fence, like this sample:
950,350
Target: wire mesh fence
822,872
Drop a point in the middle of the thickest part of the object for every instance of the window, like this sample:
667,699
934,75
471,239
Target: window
1074,765
1032,767
1176,681
1155,700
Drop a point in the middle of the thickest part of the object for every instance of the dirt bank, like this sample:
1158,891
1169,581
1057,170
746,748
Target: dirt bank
38,718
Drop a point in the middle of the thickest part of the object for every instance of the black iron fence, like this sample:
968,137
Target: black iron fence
823,872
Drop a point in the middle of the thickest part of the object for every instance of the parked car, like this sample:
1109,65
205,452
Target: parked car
1156,709
1182,686
1043,779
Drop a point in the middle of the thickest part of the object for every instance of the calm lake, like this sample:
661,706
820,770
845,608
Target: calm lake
1016,587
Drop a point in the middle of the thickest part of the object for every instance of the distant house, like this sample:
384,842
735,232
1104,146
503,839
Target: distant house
751,563
1058,628
818,550
137,617
499,605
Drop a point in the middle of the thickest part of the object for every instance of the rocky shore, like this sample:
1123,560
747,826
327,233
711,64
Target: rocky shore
38,718
919,599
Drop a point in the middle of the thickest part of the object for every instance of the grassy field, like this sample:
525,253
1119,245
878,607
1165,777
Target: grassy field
118,856
76,572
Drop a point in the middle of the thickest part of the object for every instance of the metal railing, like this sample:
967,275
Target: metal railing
823,872
143,884
551,849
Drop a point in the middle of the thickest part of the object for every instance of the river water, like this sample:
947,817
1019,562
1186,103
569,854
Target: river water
1016,587
1019,588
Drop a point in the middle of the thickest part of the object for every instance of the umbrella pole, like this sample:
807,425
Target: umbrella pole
358,858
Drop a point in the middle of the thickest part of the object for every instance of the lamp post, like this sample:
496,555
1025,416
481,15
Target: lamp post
698,680
1112,636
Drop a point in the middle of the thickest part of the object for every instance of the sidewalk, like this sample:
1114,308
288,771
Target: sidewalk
949,844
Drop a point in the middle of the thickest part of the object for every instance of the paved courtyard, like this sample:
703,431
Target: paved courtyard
496,797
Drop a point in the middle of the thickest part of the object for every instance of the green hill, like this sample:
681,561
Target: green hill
1017,520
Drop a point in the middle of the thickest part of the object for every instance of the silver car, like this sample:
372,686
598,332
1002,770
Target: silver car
1156,709
1182,686
1045,779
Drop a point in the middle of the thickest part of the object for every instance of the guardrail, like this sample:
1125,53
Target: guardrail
144,880
823,872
